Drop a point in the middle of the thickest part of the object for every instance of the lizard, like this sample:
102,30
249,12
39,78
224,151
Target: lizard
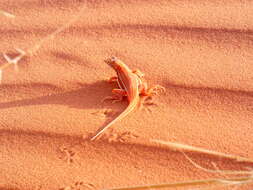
131,84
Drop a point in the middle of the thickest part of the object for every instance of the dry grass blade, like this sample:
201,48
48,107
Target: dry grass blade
36,47
179,146
230,172
1,76
12,61
214,181
17,58
9,15
32,50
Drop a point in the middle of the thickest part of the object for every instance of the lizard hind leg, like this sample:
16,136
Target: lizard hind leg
138,73
118,95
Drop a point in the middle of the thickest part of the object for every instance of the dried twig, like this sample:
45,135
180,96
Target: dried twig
213,181
32,50
179,146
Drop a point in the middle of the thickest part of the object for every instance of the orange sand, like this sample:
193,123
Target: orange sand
201,51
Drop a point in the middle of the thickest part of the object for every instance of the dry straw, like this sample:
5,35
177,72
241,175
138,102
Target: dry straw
211,183
32,50
184,147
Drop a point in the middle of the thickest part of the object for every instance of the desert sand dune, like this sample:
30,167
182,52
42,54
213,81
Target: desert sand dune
200,51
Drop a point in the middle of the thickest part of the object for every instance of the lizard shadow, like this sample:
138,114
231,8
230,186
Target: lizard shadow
87,96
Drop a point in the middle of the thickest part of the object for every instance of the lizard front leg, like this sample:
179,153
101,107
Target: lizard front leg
113,79
153,90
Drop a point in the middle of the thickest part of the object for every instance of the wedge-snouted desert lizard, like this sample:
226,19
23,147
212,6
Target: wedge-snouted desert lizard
131,84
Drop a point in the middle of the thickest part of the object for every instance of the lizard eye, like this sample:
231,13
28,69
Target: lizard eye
113,58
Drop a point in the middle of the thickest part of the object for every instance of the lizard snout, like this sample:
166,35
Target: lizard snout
110,60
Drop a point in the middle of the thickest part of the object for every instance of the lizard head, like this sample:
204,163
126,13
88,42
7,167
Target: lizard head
113,62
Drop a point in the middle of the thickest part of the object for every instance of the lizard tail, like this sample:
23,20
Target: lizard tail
121,116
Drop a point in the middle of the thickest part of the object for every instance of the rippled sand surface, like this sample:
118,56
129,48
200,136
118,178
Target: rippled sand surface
200,51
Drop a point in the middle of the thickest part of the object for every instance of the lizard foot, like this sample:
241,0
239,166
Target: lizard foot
118,95
156,90
114,99
146,103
